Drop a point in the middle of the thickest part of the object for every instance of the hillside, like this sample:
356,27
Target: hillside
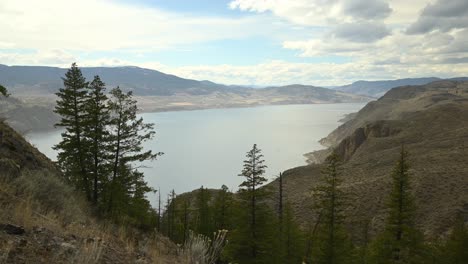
43,220
40,80
432,122
379,88
25,115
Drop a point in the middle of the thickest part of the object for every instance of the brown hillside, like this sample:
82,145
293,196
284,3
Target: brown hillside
432,122
43,220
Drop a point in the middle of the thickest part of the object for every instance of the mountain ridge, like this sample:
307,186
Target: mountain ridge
379,88
35,87
432,122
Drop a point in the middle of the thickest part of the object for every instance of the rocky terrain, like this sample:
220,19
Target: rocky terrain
42,220
431,121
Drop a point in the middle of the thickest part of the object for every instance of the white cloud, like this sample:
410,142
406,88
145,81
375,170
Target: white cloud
318,12
372,34
320,74
106,25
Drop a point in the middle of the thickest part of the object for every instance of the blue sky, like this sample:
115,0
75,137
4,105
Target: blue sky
248,42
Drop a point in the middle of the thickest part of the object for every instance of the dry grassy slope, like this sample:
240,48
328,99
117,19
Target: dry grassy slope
26,114
432,122
16,154
398,102
58,224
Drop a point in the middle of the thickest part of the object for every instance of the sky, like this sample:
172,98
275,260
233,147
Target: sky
244,42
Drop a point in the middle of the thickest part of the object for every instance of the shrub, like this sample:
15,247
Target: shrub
50,194
199,249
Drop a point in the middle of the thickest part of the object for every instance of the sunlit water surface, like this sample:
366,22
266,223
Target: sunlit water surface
207,147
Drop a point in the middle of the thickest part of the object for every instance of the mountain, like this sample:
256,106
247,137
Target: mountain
40,80
378,88
432,122
34,87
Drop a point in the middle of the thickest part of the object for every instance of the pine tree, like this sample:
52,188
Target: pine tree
333,245
127,134
158,223
401,241
290,238
253,171
171,213
254,238
204,225
292,247
455,250
95,131
223,205
72,149
186,220
4,91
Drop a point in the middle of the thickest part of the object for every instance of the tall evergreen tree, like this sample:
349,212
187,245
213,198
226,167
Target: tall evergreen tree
254,238
72,149
401,241
4,91
185,220
289,236
95,131
253,171
127,135
171,213
333,245
293,242
455,249
222,211
204,226
158,223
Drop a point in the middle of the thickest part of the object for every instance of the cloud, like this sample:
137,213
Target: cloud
54,57
321,74
367,9
107,25
442,16
318,12
370,35
361,32
350,20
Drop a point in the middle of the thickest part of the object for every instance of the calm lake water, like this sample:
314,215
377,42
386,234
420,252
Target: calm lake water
207,147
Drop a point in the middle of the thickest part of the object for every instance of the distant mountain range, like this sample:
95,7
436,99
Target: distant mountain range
41,80
46,80
378,88
155,91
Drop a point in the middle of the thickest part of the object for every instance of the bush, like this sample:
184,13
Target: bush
51,195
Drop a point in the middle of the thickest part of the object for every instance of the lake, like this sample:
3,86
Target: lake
207,147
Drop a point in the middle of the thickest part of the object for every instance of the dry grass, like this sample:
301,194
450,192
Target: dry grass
89,252
36,200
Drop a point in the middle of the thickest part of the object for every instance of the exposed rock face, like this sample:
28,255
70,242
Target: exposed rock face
382,128
432,122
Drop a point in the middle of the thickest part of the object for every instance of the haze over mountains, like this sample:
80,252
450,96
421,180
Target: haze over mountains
36,86
41,80
379,88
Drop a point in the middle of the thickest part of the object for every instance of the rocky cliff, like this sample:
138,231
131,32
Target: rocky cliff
432,122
